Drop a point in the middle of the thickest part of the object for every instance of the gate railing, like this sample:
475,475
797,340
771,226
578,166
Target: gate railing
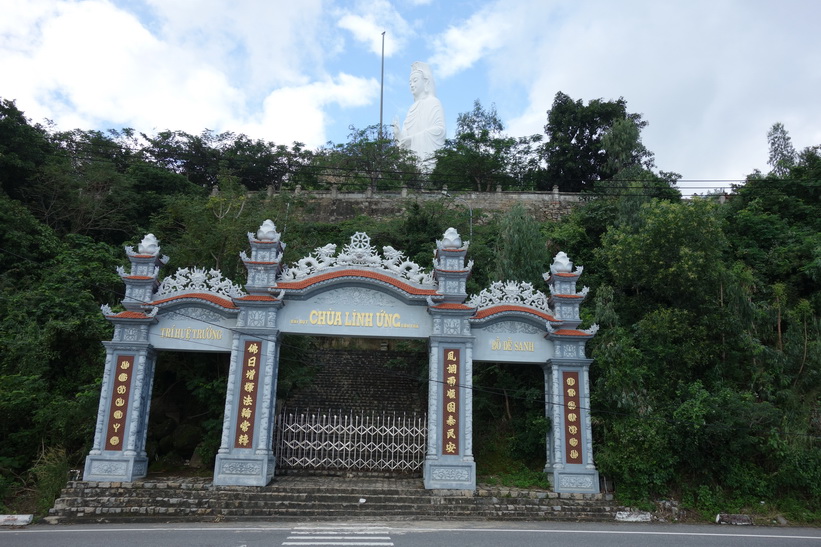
385,442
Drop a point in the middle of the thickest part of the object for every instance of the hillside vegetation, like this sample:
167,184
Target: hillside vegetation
706,383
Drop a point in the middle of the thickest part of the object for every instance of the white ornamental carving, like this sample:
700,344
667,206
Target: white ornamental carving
267,232
577,482
199,280
360,254
201,314
455,474
512,327
510,292
108,468
453,326
241,468
354,296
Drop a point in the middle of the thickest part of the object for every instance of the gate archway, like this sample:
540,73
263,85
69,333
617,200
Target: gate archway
357,292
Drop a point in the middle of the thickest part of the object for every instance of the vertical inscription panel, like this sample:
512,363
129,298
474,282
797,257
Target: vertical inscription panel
572,418
118,410
249,386
450,406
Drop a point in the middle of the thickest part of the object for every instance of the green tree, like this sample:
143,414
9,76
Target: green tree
520,253
482,156
370,159
575,150
24,148
782,153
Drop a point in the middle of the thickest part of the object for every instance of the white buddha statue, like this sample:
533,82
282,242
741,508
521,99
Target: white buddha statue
424,129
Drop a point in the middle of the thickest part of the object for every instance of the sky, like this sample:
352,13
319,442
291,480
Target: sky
710,77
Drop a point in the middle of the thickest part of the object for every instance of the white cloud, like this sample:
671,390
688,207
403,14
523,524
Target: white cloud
369,18
460,47
298,113
710,78
92,63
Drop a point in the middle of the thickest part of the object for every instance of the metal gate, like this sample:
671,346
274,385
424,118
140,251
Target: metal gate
384,442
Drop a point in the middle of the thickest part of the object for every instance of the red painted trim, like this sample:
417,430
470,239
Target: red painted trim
313,280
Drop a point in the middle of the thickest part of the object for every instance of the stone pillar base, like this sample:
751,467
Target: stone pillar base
450,476
582,481
250,470
114,468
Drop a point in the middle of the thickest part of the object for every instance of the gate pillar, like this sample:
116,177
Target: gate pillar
567,387
245,456
118,452
449,462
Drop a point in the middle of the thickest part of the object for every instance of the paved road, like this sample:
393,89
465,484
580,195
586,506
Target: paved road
406,534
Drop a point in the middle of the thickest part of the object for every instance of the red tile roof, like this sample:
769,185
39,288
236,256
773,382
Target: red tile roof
313,280
257,298
452,306
129,315
140,277
219,301
487,312
571,332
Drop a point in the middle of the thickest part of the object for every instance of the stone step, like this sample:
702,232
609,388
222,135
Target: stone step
317,499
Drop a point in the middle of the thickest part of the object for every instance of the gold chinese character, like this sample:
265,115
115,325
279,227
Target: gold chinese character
451,355
451,420
247,400
119,401
118,414
571,381
573,429
571,405
452,368
450,448
451,394
114,441
124,365
451,434
451,381
572,417
249,374
245,425
252,361
243,440
574,441
451,407
245,412
571,392
121,390
253,348
248,387
574,454
116,427
122,377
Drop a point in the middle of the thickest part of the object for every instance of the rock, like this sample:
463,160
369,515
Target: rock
15,520
633,516
736,520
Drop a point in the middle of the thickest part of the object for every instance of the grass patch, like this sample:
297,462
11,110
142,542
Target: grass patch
518,476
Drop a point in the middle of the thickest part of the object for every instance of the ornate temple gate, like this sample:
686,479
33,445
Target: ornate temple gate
355,293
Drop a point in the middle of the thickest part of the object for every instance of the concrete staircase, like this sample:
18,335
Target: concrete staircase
300,498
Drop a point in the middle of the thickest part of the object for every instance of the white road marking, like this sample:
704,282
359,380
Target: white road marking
343,534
